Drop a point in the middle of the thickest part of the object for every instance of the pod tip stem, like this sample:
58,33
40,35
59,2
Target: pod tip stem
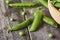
8,30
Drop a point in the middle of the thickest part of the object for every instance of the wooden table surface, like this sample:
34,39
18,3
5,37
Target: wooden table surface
40,34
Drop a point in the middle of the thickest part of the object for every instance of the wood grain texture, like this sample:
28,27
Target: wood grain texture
6,23
44,29
40,34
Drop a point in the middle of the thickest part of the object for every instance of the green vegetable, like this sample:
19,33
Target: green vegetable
58,0
59,9
21,33
44,2
50,21
7,1
11,19
24,5
20,26
57,4
50,35
36,21
53,2
23,13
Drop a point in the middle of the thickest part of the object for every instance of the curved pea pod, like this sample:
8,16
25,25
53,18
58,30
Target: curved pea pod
36,21
50,21
44,2
57,4
20,26
24,5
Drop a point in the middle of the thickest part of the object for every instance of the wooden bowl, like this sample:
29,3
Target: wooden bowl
54,12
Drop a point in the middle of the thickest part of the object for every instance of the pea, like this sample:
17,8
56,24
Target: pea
44,2
21,33
7,1
36,21
23,13
54,2
24,5
11,19
50,35
50,21
20,26
57,5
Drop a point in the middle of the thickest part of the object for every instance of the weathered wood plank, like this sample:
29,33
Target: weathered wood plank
2,6
41,34
1,31
5,22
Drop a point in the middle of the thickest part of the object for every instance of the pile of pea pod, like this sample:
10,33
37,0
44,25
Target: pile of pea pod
56,3
38,16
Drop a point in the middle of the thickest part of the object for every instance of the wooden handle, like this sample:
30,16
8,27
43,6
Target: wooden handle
54,12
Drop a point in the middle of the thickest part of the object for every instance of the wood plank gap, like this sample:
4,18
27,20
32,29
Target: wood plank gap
25,19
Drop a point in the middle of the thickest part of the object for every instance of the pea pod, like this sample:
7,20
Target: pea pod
44,2
21,25
50,21
24,5
36,21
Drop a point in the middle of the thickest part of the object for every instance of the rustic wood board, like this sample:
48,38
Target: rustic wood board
6,23
41,34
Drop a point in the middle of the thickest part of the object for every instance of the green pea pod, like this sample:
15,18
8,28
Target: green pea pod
24,5
20,26
57,4
44,2
50,21
36,21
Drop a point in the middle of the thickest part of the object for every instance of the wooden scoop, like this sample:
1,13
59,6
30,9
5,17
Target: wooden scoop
54,12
